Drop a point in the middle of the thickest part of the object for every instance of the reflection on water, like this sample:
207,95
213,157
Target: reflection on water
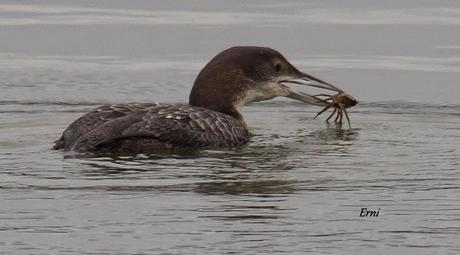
336,133
245,187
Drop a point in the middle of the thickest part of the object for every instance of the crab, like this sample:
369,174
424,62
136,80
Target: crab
340,102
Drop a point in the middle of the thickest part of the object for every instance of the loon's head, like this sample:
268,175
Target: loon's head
246,74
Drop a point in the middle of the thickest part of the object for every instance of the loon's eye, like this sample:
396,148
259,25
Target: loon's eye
277,67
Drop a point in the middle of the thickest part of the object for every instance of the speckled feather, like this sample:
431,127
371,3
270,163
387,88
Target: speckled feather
157,125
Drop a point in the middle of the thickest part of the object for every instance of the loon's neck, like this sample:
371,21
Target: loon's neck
235,113
231,110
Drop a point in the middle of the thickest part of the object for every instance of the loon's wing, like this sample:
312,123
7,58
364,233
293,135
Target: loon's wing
93,119
177,125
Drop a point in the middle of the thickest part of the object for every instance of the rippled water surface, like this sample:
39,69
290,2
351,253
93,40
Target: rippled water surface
298,187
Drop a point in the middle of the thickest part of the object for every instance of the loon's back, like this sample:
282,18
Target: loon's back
138,128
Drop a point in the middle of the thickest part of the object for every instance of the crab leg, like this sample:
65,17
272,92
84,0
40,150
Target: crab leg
346,114
323,95
324,100
339,113
323,110
332,114
340,102
341,116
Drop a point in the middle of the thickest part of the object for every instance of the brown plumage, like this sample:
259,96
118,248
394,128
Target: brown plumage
233,78
144,127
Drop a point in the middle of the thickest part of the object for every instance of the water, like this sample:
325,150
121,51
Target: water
298,187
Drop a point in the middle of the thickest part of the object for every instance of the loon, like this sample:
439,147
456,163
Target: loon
212,118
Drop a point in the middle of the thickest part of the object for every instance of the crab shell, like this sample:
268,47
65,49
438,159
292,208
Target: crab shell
346,100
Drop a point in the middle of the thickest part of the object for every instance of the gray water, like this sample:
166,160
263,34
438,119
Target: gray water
298,187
